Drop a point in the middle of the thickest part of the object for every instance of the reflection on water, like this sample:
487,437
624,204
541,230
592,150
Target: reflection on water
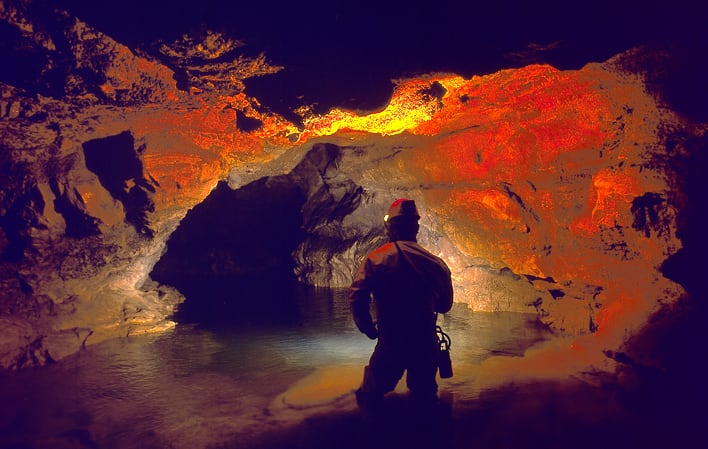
195,387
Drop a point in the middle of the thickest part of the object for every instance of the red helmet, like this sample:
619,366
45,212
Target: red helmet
402,207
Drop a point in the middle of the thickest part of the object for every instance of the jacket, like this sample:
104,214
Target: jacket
409,285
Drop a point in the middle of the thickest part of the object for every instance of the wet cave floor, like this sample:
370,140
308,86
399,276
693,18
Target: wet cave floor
288,383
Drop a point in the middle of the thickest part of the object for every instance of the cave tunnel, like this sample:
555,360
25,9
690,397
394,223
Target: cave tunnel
231,255
564,190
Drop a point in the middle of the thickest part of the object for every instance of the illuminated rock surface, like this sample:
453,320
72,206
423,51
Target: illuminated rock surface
547,191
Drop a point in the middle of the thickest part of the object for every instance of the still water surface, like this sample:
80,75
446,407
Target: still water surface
197,387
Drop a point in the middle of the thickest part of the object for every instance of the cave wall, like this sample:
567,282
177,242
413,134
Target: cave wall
546,191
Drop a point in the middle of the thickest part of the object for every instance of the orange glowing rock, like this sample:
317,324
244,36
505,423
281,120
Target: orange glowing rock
180,176
609,202
512,127
191,148
481,205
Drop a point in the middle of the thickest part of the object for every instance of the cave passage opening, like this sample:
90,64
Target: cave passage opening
251,254
231,255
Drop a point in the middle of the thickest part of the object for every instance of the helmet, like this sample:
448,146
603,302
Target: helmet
402,207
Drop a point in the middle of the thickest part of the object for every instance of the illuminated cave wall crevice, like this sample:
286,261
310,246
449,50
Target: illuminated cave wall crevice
119,168
68,203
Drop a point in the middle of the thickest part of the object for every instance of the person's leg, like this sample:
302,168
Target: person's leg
422,368
381,375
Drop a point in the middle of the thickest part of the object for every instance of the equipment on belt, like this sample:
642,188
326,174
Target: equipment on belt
444,361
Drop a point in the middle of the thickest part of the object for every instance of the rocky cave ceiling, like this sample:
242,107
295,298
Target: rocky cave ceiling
556,192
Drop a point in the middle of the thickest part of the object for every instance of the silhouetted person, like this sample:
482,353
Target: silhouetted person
408,285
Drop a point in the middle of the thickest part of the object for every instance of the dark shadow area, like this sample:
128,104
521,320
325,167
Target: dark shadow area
687,172
572,414
683,84
247,124
345,54
39,70
533,415
79,224
675,75
230,303
231,255
117,163
664,367
242,255
664,370
398,423
21,205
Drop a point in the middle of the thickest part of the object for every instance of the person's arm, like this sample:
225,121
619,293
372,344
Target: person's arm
444,299
360,299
